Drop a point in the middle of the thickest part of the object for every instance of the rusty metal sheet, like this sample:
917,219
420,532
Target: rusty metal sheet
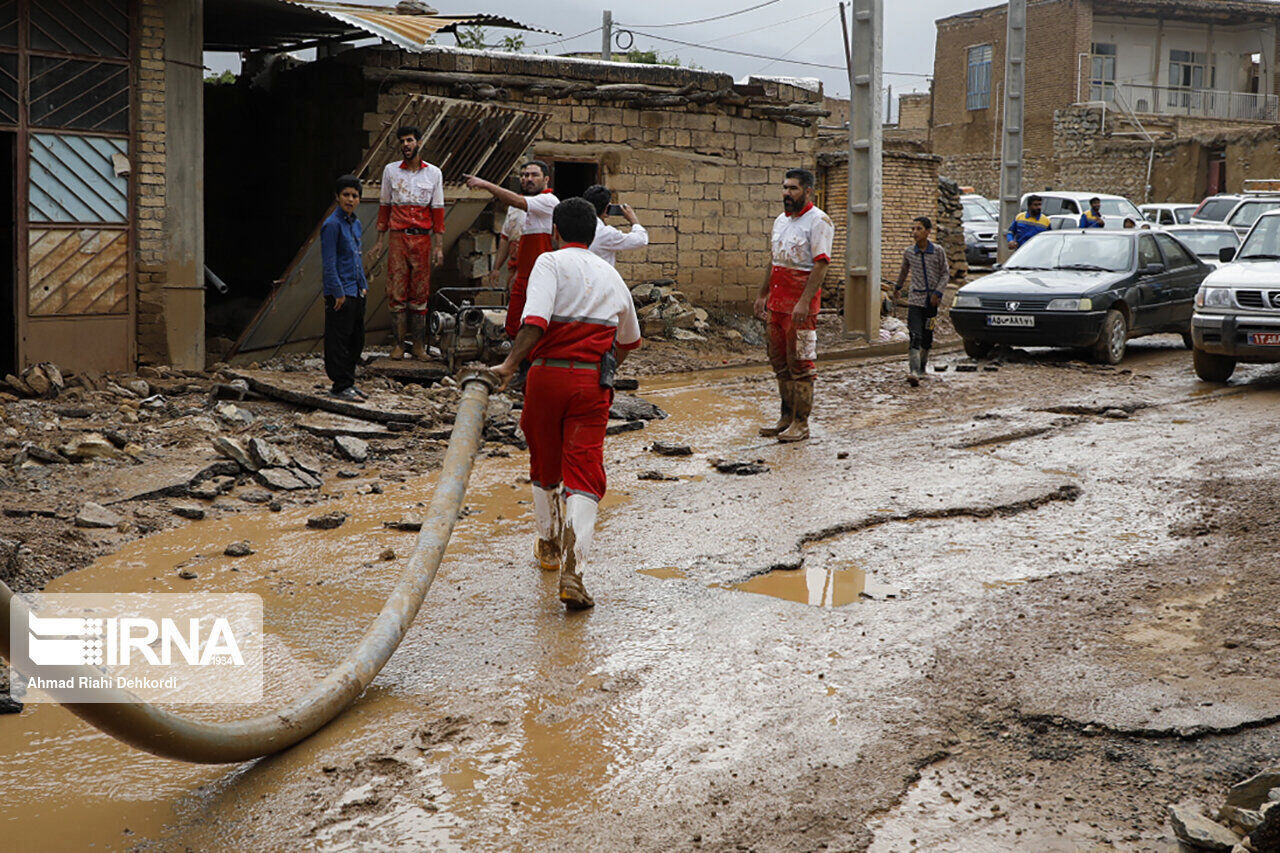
74,179
77,271
292,317
410,31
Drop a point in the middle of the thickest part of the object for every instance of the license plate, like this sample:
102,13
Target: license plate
1264,339
1011,320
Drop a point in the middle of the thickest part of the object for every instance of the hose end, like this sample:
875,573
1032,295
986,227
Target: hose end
479,374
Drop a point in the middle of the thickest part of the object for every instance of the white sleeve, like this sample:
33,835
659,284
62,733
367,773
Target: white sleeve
628,336
542,202
513,225
437,194
635,239
821,238
385,194
540,298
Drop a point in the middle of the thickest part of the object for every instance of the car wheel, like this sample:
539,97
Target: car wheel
1186,340
977,349
1115,333
1211,367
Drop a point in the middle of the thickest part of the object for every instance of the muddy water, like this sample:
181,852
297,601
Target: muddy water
67,784
816,585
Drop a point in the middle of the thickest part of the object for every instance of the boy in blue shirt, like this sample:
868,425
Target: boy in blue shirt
345,287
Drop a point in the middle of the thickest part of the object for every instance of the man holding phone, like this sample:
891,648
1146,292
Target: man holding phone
609,240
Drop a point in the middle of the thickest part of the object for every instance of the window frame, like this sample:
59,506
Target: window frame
978,77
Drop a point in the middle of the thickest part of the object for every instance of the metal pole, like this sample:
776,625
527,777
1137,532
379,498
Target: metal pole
1014,86
862,244
606,36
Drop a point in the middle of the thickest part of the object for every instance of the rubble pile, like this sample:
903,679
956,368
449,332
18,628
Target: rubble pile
1248,822
665,312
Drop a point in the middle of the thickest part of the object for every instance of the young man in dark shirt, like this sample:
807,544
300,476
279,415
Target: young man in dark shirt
924,264
345,287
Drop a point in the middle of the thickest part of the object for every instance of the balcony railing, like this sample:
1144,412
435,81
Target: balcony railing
1197,103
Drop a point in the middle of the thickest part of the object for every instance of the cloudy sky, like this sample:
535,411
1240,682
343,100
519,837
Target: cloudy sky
785,32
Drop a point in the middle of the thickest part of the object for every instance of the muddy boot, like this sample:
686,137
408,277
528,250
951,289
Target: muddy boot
548,520
418,324
575,545
786,389
397,332
924,361
802,401
915,369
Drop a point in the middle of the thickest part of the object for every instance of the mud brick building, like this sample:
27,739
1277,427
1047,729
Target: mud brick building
1176,66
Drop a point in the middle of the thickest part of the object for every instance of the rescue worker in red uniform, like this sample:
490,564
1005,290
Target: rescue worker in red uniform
412,211
790,299
538,201
577,324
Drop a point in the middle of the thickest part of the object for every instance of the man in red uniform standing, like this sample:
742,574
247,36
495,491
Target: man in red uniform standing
790,299
577,314
539,202
413,212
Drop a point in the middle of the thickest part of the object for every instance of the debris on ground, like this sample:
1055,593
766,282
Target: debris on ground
670,448
726,466
664,310
657,476
1249,820
96,516
238,549
328,521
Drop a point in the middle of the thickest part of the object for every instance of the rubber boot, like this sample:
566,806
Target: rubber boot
924,361
398,332
914,371
548,520
418,326
575,547
802,401
786,389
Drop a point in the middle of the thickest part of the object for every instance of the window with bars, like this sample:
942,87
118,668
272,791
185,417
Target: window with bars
978,91
1102,72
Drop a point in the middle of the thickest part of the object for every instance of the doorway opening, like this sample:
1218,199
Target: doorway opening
9,251
572,177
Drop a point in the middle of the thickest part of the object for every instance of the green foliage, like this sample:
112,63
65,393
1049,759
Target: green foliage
226,78
471,37
513,43
650,57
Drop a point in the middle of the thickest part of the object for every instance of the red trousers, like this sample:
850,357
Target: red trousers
515,304
564,419
793,349
408,272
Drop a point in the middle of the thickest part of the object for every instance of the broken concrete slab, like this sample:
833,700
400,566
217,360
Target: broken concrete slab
90,445
743,469
328,521
657,476
298,389
355,449
627,407
234,415
238,549
1254,791
618,427
279,479
255,496
205,490
44,454
96,516
193,513
236,452
1200,832
407,525
267,455
329,425
308,480
404,370
170,478
307,462
670,448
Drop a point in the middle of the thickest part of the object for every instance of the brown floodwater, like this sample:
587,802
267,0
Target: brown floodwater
816,585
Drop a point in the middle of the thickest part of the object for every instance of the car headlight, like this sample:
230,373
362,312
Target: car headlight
970,238
965,300
1085,304
1214,297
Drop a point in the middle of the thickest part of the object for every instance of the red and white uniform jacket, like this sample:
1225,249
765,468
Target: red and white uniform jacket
536,238
412,198
583,305
512,228
799,242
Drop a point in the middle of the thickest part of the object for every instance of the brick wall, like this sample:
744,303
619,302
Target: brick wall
704,179
913,111
149,181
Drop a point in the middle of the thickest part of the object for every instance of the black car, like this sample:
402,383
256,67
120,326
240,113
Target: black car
1093,289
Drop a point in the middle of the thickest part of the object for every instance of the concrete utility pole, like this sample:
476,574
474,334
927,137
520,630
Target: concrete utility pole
862,244
1015,68
606,36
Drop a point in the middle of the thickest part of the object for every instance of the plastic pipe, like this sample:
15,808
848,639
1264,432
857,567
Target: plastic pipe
163,733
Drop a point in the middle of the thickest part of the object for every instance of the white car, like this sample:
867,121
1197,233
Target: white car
1167,214
1249,208
1237,308
1207,241
1115,208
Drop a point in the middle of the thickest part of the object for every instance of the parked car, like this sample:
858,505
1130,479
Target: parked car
1249,208
1207,241
1090,288
980,231
1114,207
1214,209
1237,309
1167,214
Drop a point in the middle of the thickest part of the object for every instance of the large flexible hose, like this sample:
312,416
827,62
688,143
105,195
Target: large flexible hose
172,736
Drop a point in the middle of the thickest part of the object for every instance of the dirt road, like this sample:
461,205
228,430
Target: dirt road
1020,609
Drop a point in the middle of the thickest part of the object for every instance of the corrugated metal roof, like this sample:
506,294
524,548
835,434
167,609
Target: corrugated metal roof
409,31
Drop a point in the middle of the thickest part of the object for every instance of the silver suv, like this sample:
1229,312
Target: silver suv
1237,309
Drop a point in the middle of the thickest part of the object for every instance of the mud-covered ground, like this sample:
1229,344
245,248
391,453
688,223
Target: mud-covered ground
1015,609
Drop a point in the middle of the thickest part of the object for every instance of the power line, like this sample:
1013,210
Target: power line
716,18
737,52
768,26
566,38
798,44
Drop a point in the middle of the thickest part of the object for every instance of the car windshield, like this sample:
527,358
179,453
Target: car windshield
1249,211
1074,251
976,212
1182,215
1120,207
1263,242
1207,243
1216,209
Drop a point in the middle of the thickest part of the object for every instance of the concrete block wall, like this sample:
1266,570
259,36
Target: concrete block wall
705,180
151,268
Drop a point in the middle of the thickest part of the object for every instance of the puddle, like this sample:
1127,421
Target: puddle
665,573
818,585
1003,584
